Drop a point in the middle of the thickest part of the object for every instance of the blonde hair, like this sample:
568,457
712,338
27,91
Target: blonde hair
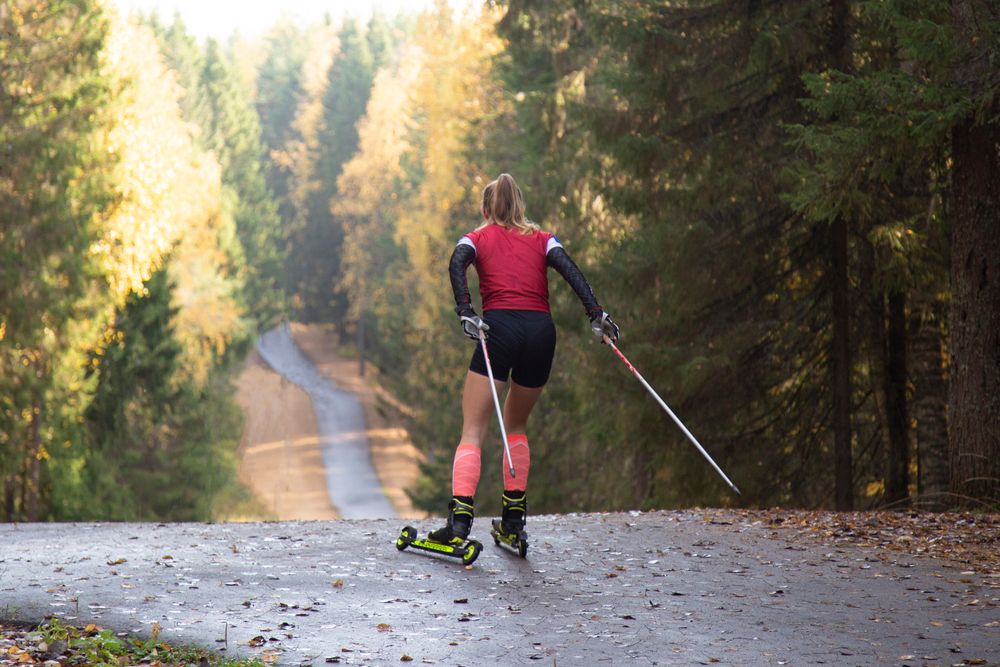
504,206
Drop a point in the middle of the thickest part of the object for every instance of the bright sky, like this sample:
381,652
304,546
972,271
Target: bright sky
219,18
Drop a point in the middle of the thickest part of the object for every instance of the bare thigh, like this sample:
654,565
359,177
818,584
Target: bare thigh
478,408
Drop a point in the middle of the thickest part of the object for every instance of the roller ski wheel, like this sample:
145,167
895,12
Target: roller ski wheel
517,540
466,550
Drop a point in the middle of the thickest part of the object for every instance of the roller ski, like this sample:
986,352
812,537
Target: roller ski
509,529
451,540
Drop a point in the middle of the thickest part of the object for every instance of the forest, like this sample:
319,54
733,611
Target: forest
791,208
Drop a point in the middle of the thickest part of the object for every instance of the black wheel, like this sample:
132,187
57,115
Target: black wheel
522,548
406,537
472,550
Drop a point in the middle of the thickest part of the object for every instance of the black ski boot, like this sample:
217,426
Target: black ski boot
452,539
459,522
509,528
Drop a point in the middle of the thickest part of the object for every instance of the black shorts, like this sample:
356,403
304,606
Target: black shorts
521,344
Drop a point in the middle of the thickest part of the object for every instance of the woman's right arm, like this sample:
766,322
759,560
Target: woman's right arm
464,254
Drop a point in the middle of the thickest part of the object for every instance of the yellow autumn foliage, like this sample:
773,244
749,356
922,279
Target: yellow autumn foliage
168,201
300,154
163,186
419,121
452,92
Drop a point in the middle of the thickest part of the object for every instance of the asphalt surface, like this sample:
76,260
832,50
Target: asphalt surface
351,481
668,588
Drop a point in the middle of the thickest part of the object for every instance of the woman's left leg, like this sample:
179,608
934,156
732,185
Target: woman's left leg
517,408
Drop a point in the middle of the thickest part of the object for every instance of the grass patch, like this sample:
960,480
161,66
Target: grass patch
93,646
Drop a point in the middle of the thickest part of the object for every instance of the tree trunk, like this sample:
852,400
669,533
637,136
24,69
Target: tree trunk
10,497
35,460
897,469
840,354
974,401
873,316
930,400
840,361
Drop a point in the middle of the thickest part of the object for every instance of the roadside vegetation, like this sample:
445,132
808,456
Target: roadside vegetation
56,644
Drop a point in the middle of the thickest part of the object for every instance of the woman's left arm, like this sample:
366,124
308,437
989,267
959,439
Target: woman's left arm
600,322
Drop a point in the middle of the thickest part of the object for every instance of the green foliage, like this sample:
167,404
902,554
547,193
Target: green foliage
103,647
54,166
315,253
218,102
157,446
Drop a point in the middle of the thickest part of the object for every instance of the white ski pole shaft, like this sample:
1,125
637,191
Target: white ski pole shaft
672,416
496,402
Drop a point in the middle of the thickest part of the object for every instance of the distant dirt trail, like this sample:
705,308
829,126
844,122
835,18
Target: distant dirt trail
396,459
280,449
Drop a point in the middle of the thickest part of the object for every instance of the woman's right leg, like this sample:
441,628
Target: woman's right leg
477,407
477,411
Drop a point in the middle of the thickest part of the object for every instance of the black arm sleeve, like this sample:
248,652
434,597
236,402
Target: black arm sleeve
560,261
460,260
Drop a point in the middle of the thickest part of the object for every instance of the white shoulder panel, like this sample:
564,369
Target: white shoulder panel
465,240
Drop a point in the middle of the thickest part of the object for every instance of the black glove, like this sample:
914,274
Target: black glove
601,325
472,323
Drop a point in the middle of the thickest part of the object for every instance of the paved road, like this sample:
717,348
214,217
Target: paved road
350,477
668,588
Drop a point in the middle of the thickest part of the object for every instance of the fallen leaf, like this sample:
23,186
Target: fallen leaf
383,627
257,641
462,601
339,583
936,623
117,562
611,575
155,632
405,658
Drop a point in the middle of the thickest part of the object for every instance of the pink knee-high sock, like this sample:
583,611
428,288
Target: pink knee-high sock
465,471
519,453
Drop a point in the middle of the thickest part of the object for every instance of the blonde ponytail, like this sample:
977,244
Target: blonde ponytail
504,205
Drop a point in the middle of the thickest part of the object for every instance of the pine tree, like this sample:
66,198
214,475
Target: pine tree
54,166
316,249
974,403
279,93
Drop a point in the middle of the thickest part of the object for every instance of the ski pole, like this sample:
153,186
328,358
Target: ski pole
496,402
669,412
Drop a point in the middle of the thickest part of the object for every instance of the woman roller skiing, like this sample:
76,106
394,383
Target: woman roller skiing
511,255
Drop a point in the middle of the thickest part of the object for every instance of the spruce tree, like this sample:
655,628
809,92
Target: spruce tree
54,180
